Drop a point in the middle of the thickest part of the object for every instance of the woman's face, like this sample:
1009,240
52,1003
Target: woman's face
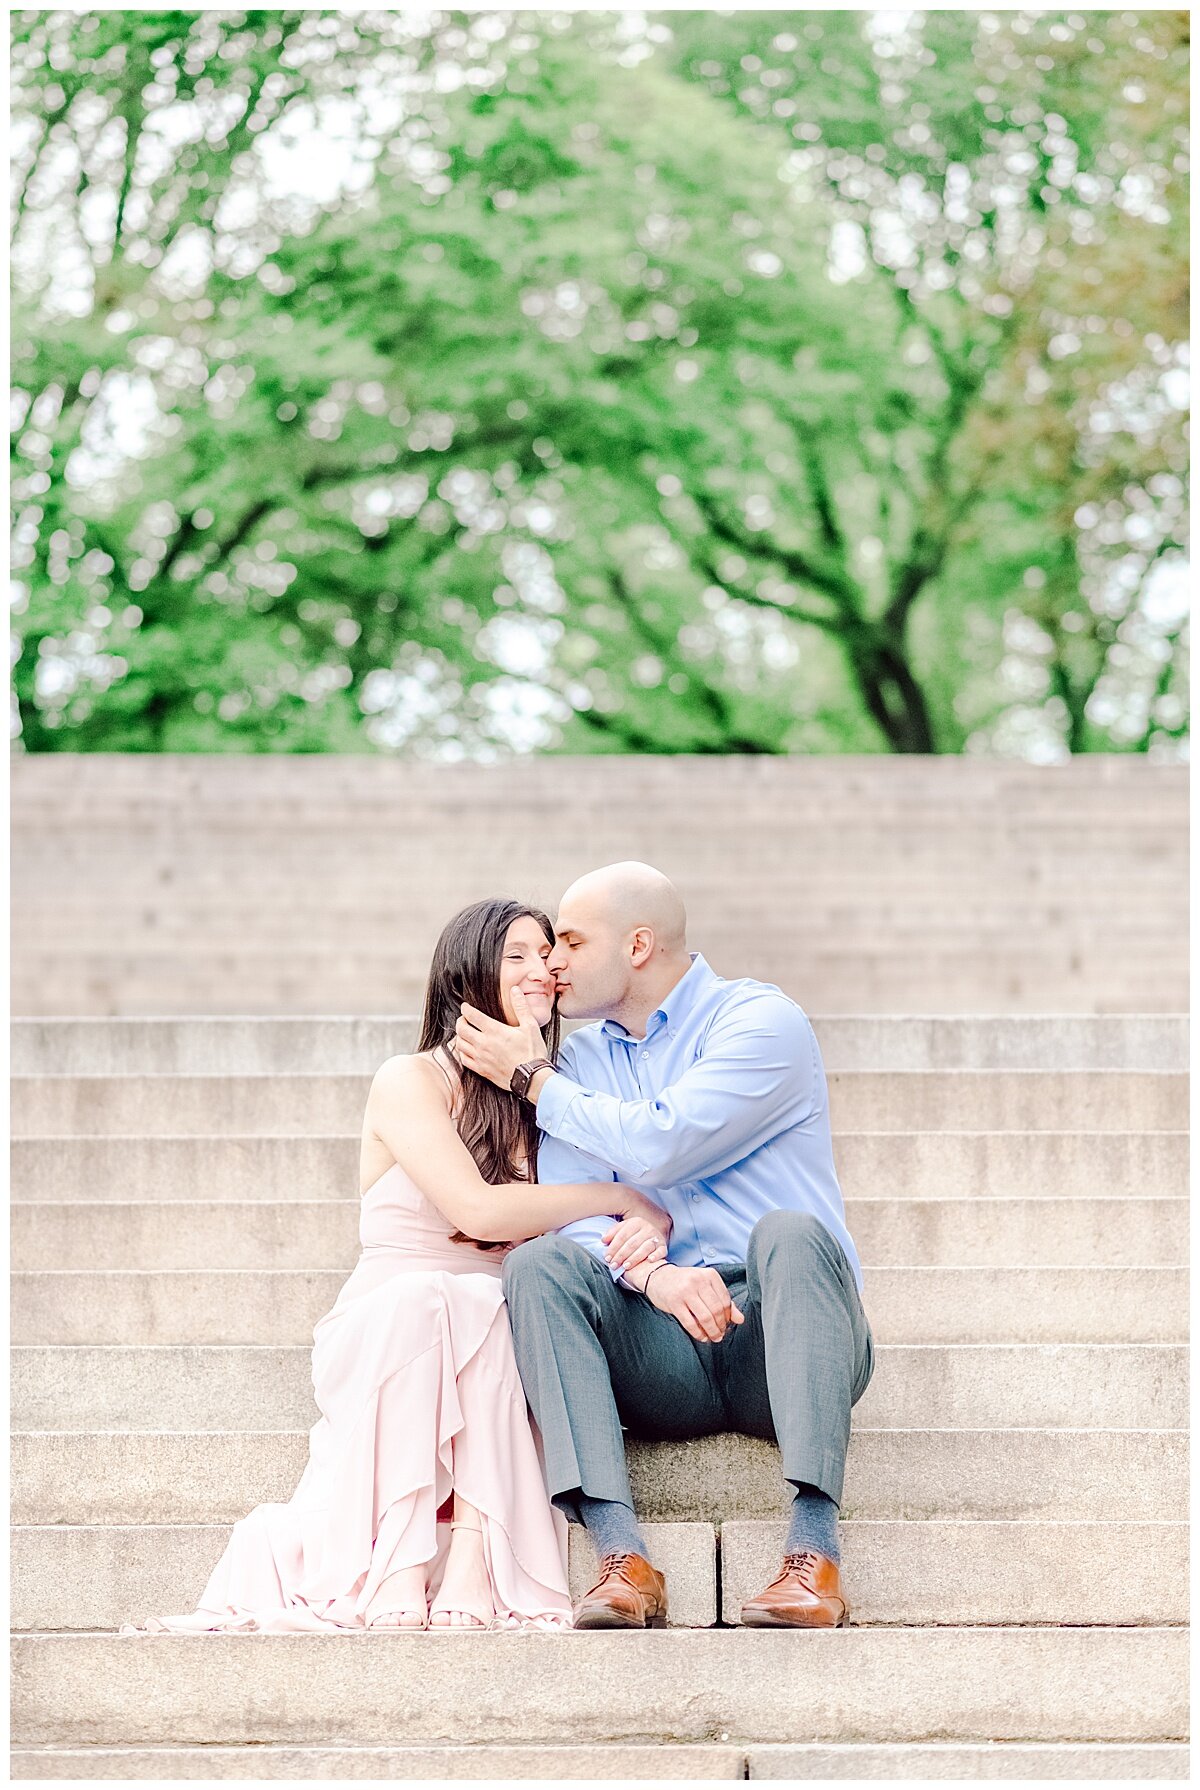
523,966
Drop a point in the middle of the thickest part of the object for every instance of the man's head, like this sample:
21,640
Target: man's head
620,944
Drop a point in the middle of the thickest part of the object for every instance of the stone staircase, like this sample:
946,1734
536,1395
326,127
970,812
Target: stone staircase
1016,1182
309,885
1014,1538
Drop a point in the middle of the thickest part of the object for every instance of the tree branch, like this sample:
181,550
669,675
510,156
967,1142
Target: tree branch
666,647
796,564
616,726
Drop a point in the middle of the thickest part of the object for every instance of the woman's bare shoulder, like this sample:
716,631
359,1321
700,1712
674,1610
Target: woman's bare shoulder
415,1076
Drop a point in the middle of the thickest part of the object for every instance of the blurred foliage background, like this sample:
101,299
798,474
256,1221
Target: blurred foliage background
462,383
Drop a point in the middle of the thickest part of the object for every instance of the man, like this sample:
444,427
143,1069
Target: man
709,1095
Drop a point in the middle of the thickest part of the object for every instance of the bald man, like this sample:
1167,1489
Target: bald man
710,1096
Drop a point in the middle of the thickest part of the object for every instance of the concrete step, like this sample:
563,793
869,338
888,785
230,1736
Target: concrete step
453,852
1003,912
886,1685
453,856
979,1233
908,823
281,810
971,1572
1054,1475
99,1577
1020,1573
613,810
353,1046
956,1386
960,1574
43,982
905,817
224,926
115,995
316,1104
563,1764
871,1164
444,839
281,1305
696,1762
990,911
112,774
991,1759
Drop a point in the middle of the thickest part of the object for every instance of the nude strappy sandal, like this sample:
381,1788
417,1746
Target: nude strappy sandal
384,1620
384,1623
482,1619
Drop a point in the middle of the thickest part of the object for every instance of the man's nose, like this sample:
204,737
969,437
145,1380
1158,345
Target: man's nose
557,959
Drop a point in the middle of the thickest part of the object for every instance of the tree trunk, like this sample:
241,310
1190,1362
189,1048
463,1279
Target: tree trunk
893,697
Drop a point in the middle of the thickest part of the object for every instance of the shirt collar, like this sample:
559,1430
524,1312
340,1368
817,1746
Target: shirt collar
682,999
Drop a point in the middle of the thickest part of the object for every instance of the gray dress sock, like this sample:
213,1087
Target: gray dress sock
612,1526
814,1524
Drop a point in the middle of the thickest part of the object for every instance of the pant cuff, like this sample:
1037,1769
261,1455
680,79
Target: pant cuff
826,1472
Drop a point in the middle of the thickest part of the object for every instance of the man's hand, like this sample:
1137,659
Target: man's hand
698,1298
493,1049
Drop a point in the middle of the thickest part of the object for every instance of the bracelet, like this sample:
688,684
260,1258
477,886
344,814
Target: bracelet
650,1276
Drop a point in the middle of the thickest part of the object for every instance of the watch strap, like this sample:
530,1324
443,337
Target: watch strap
524,1073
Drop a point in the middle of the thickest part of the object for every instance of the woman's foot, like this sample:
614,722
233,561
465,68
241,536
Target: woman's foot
465,1599
403,1601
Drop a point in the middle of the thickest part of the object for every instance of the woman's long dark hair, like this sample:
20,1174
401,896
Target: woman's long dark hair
499,1130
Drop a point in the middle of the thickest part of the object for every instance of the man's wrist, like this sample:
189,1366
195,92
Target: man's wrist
522,1080
651,1271
536,1083
638,1278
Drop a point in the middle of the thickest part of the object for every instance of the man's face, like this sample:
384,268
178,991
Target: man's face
590,964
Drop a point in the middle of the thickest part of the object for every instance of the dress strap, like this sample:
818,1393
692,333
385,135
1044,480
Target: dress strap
454,1091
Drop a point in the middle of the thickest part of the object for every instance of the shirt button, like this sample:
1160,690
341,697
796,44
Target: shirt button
693,1196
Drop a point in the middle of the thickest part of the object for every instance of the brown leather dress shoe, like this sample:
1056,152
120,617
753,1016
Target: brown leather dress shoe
628,1594
807,1594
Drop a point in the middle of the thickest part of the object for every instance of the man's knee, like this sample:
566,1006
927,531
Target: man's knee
798,1236
543,1263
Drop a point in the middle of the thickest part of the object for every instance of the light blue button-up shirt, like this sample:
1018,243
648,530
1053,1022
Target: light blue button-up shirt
720,1113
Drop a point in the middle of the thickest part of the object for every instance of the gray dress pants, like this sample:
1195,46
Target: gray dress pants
595,1356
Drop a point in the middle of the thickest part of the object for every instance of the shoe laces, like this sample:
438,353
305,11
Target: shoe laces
613,1563
804,1565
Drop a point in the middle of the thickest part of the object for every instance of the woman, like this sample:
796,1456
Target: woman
423,1416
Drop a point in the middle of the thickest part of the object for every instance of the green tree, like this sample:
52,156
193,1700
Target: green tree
694,388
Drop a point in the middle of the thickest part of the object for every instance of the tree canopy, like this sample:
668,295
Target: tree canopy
695,382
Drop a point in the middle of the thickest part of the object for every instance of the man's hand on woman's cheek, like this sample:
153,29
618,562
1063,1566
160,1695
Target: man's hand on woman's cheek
493,1049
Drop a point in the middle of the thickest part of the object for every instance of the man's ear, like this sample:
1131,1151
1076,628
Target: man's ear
641,946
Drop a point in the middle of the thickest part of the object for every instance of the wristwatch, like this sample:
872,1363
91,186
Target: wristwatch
524,1073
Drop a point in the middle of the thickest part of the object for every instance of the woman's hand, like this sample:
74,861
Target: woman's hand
632,1241
641,1235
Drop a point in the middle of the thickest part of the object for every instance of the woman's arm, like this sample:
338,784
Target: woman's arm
407,1111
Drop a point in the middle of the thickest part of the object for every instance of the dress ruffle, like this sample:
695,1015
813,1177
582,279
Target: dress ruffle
419,1394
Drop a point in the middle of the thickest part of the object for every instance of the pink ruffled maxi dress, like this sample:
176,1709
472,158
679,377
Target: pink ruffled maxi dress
418,1389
